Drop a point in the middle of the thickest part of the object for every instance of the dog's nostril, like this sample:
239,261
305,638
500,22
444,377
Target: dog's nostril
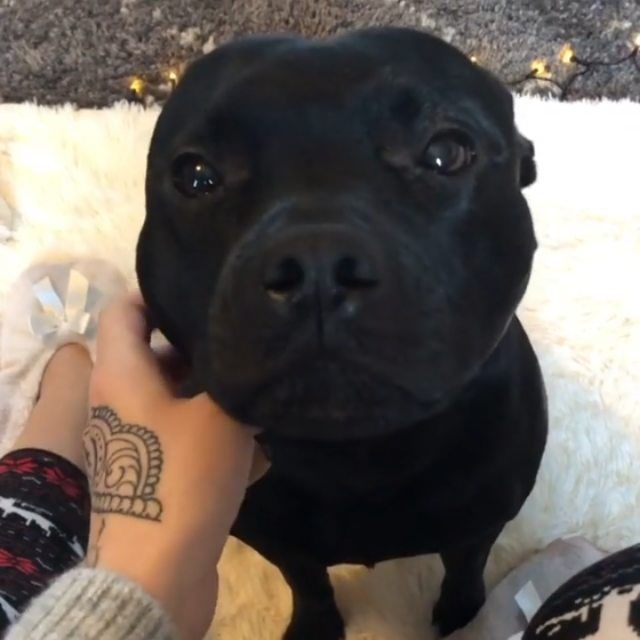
284,278
351,273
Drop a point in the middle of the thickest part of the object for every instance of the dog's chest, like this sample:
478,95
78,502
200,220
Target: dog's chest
352,521
381,530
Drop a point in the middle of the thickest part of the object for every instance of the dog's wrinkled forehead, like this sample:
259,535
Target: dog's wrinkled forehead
401,69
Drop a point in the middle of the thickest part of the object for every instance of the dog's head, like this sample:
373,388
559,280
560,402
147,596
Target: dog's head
335,235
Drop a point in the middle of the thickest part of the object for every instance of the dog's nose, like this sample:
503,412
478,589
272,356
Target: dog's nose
334,268
288,277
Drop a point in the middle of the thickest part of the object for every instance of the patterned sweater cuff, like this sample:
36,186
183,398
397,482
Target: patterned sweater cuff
86,604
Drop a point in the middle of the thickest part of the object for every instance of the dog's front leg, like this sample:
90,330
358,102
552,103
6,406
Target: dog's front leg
315,614
463,590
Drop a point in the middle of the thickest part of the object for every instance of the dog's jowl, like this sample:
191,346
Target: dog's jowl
336,238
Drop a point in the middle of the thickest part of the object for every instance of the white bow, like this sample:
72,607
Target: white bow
55,315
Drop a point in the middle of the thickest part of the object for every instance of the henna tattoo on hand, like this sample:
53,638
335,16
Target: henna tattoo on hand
124,463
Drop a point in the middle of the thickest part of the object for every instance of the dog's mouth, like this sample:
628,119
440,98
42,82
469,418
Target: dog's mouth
326,399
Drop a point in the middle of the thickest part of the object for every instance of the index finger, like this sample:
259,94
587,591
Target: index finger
123,330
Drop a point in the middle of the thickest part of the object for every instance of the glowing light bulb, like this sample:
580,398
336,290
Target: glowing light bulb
567,54
137,86
473,59
636,40
540,69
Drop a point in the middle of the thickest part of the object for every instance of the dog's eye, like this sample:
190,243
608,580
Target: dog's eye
193,176
448,153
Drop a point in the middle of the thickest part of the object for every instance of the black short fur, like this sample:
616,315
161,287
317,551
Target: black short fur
354,303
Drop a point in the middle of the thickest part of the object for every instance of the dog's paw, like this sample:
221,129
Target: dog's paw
315,624
451,614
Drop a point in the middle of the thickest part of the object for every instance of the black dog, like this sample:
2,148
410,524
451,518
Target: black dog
337,240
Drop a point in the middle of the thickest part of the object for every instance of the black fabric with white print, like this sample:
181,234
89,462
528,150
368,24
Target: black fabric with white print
602,602
44,525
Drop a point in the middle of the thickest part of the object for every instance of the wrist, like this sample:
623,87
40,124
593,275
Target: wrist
168,564
181,576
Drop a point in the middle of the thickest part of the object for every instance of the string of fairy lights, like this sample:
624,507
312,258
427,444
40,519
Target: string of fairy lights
540,70
143,91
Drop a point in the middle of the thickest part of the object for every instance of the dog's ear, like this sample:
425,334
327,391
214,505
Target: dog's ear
528,170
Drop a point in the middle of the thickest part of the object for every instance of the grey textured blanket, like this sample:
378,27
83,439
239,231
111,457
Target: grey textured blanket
85,51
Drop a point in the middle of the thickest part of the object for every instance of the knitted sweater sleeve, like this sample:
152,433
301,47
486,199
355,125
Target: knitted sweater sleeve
87,604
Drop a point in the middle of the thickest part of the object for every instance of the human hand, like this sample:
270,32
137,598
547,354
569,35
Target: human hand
167,475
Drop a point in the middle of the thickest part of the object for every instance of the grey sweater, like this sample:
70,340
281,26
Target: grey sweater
92,604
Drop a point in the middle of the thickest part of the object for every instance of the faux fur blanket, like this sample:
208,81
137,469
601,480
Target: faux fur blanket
74,180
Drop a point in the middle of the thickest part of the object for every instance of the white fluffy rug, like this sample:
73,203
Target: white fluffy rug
74,180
